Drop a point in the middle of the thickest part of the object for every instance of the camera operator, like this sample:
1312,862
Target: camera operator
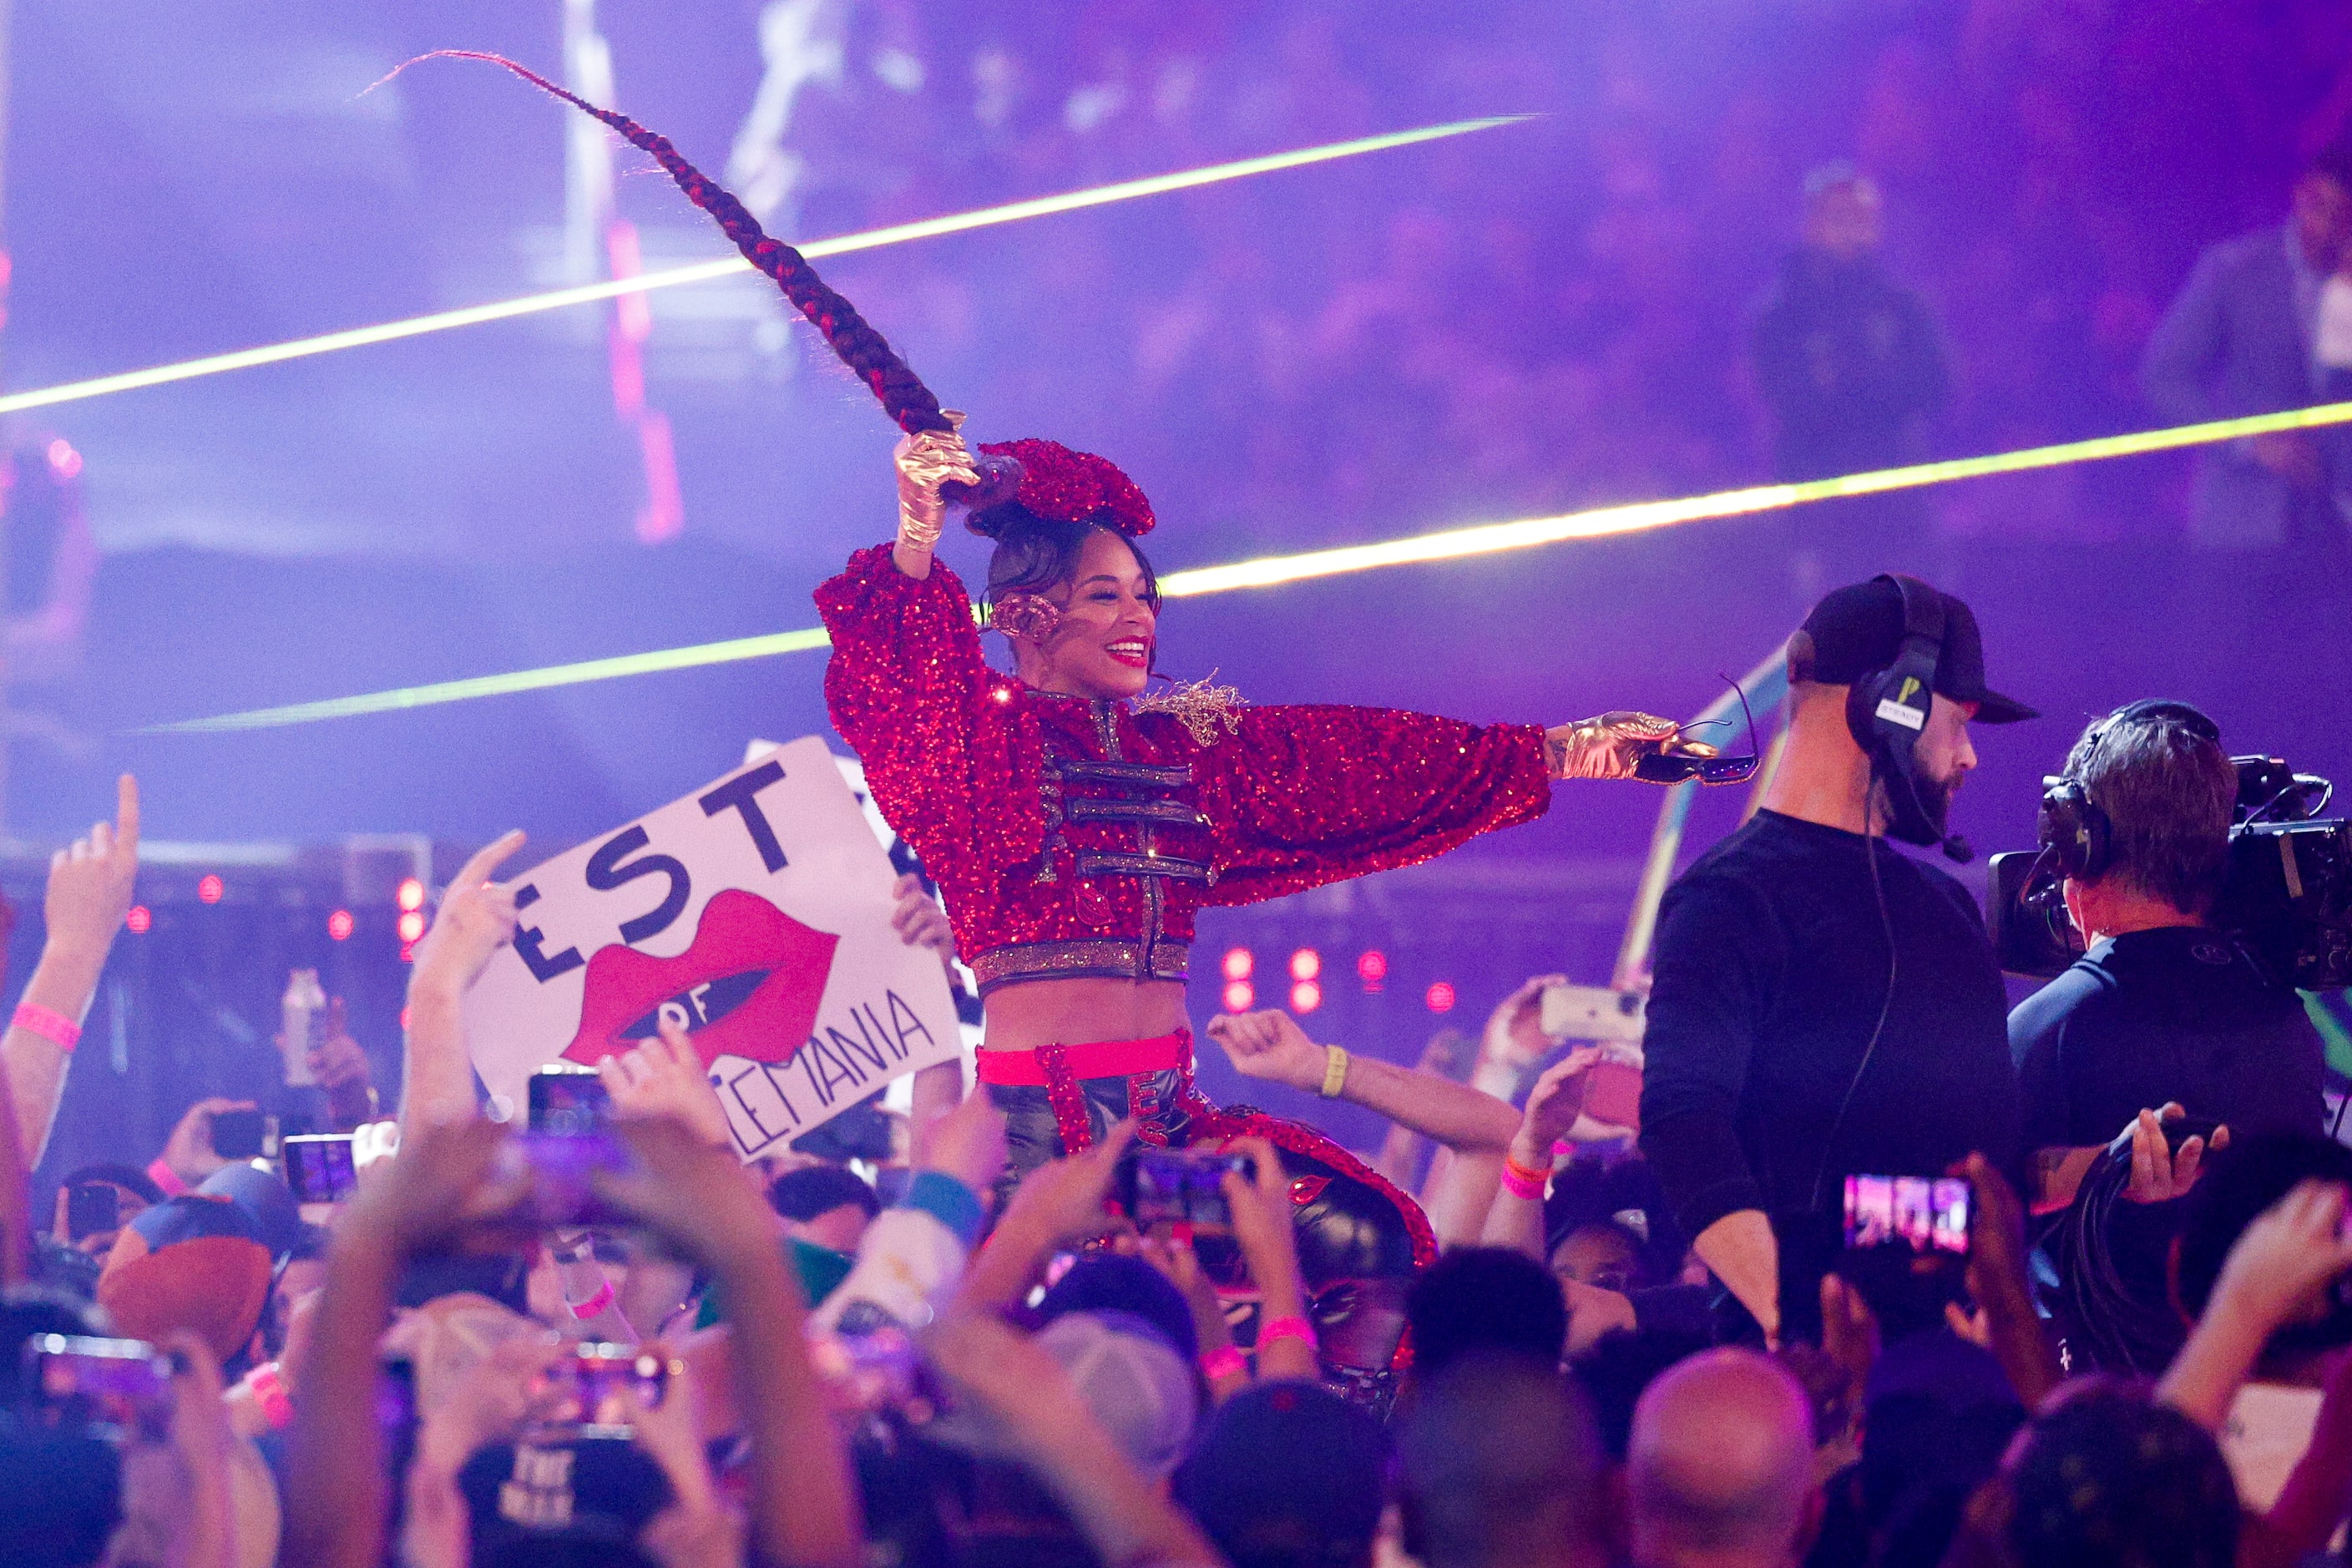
2161,1012
1824,1006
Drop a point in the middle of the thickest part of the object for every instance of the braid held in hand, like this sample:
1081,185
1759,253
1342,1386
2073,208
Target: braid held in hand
860,347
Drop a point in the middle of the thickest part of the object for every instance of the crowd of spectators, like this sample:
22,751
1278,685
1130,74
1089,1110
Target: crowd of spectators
888,1361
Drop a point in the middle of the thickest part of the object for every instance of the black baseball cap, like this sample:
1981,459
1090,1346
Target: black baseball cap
1859,629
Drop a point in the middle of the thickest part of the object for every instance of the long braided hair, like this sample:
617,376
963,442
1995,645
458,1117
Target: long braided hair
903,395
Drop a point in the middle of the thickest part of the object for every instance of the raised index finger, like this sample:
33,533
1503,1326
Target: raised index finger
126,814
488,858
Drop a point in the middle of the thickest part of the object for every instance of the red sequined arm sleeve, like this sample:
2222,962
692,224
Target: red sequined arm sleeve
1303,795
904,688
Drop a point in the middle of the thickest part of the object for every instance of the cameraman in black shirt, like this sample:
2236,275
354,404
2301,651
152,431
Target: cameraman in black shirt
2161,1013
1824,1004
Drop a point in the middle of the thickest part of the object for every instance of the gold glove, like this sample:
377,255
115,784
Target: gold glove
1609,746
925,463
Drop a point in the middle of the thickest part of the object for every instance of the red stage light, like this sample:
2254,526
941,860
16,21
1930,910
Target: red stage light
1306,963
1239,963
210,889
411,895
339,925
1441,997
1372,968
404,1020
1240,996
1306,997
139,920
64,462
412,926
407,952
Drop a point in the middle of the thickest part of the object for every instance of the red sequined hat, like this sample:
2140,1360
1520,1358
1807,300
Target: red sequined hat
1074,487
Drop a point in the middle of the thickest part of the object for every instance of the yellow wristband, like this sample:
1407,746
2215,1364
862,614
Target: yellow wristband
1335,1072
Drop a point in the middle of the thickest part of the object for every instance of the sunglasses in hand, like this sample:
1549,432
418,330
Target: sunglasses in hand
1707,768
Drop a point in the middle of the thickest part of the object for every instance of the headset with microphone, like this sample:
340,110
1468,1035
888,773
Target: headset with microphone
1887,709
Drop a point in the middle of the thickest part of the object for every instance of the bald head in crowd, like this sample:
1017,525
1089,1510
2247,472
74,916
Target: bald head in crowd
1501,1468
1719,1472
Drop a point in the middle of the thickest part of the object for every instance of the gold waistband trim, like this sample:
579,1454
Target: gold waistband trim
1108,958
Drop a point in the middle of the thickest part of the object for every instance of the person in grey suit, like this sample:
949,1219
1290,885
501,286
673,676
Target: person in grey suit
2239,340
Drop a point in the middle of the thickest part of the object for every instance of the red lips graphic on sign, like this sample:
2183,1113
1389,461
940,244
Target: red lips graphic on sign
749,986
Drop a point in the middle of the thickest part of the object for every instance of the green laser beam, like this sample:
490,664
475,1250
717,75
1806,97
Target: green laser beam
1272,571
706,272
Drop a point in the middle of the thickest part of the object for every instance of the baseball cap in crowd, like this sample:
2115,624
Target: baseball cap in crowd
1125,1375
1133,1381
1288,1472
1110,1282
190,1262
592,1494
1859,629
267,1201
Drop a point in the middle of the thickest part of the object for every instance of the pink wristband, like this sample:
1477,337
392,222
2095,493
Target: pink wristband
1297,1329
49,1023
594,1305
269,1393
1518,1186
164,1176
1223,1362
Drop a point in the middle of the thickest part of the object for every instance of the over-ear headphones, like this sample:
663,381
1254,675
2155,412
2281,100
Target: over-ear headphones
2074,830
1886,710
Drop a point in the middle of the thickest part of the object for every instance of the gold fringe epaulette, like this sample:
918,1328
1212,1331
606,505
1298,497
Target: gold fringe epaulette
1209,711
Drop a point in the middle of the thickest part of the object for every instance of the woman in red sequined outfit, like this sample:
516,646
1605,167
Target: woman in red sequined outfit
1075,825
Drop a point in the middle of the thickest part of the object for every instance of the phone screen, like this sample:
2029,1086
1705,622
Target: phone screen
92,1209
242,1134
1922,1214
562,1167
319,1167
81,1381
568,1103
1173,1184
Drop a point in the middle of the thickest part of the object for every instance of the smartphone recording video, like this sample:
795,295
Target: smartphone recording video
568,1102
562,1167
244,1134
1185,1185
1924,1214
92,1209
320,1168
593,1381
83,1382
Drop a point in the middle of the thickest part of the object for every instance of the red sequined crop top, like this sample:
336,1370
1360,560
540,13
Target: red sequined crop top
1076,837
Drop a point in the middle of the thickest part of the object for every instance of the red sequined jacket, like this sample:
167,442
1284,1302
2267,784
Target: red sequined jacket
1076,837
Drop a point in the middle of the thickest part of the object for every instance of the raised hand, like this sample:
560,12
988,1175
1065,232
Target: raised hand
1261,1208
90,881
1553,1105
475,919
188,1153
445,1184
1514,1031
2282,1261
1270,1045
925,463
664,1077
1062,1200
967,1143
696,1196
919,920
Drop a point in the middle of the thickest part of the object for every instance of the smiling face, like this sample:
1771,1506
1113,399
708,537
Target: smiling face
1101,642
